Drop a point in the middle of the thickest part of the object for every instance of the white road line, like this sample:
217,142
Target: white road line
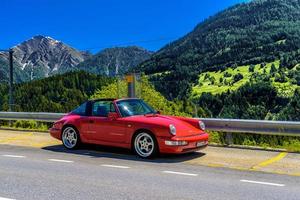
2,198
13,156
180,173
263,183
64,161
116,166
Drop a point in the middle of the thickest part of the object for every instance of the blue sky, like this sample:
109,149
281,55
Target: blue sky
97,24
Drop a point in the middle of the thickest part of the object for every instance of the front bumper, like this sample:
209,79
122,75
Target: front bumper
55,132
191,145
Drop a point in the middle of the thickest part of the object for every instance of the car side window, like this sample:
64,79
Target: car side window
102,108
81,110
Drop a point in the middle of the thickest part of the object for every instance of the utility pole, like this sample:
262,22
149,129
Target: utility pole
11,81
11,78
118,86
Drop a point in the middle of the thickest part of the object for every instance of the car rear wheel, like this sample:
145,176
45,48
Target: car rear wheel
70,138
145,145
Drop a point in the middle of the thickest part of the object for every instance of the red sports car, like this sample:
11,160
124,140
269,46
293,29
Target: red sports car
132,124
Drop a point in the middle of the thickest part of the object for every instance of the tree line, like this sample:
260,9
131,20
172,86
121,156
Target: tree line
60,93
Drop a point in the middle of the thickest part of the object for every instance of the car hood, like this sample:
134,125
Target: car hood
183,128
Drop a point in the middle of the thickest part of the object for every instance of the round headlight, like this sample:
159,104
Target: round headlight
172,129
201,125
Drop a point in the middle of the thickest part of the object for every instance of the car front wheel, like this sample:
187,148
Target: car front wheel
145,145
70,138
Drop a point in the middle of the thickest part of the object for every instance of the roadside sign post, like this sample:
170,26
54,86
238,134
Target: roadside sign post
130,79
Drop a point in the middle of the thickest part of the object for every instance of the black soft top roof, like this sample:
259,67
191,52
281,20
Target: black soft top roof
104,99
111,99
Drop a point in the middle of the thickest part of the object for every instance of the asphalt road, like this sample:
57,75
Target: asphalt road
93,173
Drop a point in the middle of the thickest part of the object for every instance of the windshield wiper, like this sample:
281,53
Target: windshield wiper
150,114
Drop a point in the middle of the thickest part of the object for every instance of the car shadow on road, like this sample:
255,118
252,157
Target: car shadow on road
97,151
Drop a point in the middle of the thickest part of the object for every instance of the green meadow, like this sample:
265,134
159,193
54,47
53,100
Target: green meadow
222,81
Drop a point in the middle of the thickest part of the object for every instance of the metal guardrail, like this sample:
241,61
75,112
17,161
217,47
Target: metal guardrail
282,128
38,116
263,127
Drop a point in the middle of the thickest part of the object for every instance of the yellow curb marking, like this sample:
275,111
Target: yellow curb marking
15,138
250,170
295,174
28,142
279,157
214,165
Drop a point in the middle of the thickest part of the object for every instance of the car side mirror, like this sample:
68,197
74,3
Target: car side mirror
113,116
158,112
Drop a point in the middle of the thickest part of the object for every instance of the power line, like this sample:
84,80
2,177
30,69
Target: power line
131,43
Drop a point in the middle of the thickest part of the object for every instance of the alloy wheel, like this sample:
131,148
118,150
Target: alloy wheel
144,145
70,137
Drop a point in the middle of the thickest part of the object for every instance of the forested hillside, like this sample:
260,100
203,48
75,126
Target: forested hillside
257,32
60,93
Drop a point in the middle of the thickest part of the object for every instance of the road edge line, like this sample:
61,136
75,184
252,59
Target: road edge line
18,137
270,161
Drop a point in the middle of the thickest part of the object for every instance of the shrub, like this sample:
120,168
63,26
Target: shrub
237,77
227,74
280,77
251,68
273,69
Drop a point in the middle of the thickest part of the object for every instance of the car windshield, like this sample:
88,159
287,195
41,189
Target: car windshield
132,107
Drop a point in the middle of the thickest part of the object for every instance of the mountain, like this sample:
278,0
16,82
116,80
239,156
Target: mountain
248,33
40,57
113,61
43,56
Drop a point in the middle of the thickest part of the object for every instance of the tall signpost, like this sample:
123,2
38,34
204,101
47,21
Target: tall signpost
130,79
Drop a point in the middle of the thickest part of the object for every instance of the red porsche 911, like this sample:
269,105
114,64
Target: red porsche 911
132,124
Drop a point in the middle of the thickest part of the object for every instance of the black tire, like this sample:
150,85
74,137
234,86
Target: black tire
70,137
145,144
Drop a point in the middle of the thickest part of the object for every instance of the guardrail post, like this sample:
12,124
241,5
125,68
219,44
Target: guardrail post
229,139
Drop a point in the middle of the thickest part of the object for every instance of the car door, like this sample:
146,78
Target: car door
102,128
82,123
